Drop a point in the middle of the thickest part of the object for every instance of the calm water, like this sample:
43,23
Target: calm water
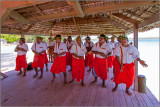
149,52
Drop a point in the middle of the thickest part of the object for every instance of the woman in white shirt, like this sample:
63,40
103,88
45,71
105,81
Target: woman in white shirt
78,66
59,64
100,49
21,61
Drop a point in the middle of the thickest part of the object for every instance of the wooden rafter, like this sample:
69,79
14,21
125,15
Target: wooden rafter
128,19
77,8
79,30
117,6
18,17
151,20
115,23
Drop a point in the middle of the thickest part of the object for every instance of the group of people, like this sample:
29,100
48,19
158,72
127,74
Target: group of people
99,57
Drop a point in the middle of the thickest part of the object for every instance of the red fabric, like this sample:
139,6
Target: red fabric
69,58
59,65
110,61
38,61
21,62
100,66
78,69
45,58
89,60
126,76
116,67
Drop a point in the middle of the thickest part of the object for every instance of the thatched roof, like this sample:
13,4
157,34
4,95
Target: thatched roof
79,17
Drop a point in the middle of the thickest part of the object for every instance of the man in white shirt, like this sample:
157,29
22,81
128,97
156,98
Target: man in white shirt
51,44
21,61
69,44
38,48
45,55
78,66
126,55
101,50
59,64
89,57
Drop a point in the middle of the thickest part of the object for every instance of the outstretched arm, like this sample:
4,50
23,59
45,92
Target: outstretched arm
142,62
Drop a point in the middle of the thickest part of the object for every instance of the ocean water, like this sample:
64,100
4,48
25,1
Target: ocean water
149,52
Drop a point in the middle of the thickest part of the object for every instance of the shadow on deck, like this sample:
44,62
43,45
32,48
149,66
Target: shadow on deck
28,91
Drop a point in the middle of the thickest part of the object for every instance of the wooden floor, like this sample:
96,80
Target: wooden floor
28,91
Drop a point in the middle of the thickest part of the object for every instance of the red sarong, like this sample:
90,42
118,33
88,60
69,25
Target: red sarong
59,65
69,58
38,61
116,67
78,69
100,66
110,61
89,60
45,58
126,76
21,62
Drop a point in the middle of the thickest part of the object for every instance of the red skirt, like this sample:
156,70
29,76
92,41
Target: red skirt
59,65
69,58
78,69
89,60
126,76
110,61
38,61
100,66
21,62
116,67
45,58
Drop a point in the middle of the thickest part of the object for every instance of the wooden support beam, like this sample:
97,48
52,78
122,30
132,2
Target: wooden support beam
39,10
114,23
135,62
79,30
8,6
151,20
130,20
18,17
77,8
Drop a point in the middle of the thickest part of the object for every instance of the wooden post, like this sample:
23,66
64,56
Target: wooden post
136,63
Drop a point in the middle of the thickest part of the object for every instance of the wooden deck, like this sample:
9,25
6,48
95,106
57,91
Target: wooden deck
28,91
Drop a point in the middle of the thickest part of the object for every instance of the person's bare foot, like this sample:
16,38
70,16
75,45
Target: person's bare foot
93,81
65,82
24,75
104,86
115,88
71,81
47,70
34,76
128,92
82,83
40,77
19,73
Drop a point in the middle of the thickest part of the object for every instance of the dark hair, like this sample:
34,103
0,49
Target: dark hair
23,40
59,36
88,38
69,37
103,36
78,37
126,38
49,38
